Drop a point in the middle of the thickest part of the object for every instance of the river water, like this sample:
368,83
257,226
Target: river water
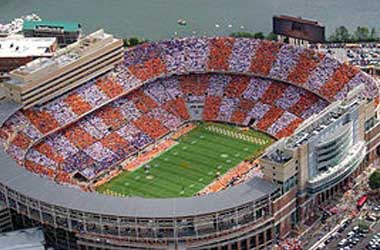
157,19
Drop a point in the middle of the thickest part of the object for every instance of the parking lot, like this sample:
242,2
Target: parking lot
362,232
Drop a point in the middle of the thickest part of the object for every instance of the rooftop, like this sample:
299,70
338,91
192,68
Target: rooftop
278,156
64,56
19,46
299,20
50,25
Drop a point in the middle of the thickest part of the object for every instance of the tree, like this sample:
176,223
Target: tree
373,36
361,34
363,225
272,36
125,42
133,41
374,180
242,34
259,35
341,34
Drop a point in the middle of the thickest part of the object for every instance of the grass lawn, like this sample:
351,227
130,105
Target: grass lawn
192,164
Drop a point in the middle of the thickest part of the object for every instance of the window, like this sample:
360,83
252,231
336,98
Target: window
369,124
269,234
261,238
297,26
252,242
234,246
243,244
378,151
259,213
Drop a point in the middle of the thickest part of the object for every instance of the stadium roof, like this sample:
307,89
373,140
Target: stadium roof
66,26
8,107
26,46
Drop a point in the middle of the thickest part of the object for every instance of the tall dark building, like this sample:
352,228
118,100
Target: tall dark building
298,31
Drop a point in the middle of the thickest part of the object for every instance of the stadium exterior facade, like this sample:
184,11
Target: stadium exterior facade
252,215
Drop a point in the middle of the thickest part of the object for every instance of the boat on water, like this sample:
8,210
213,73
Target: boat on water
182,21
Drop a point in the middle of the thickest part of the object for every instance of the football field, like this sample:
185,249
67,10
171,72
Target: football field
201,155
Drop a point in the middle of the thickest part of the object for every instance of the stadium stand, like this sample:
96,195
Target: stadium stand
107,136
108,119
125,117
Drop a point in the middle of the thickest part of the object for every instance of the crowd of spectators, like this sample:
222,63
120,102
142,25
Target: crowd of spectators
300,66
286,61
118,130
151,94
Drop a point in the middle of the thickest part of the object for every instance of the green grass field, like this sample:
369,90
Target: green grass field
192,164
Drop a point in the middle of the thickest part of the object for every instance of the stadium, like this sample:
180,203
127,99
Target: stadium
190,143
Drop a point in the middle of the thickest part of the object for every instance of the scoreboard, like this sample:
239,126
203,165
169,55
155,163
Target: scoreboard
299,28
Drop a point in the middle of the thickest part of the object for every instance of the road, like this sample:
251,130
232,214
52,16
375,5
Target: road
363,240
331,237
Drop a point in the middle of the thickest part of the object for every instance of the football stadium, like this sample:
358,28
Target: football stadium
194,161
188,143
